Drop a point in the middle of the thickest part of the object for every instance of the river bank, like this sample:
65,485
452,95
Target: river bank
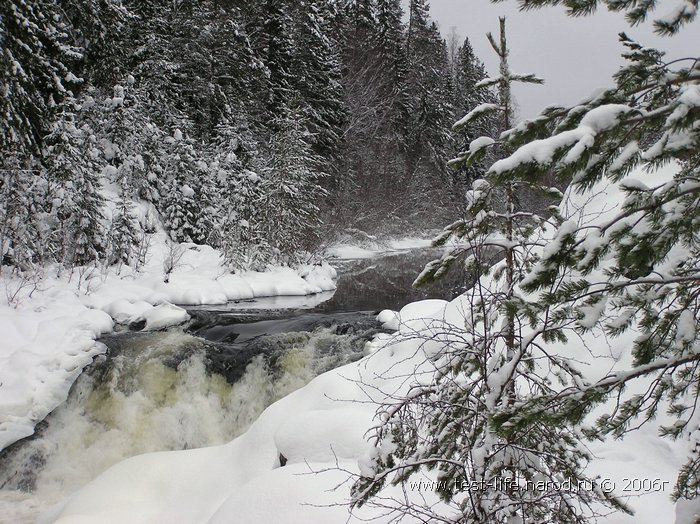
51,321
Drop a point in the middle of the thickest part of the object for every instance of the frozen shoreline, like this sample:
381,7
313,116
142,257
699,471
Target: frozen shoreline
50,332
360,250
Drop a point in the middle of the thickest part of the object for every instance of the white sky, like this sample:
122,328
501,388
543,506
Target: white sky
575,56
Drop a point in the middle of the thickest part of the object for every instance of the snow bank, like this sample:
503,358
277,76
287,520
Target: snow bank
43,350
405,319
49,328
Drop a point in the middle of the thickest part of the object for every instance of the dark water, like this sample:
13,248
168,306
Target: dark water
238,332
386,282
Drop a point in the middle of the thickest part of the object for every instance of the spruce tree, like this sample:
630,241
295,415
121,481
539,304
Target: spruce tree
469,71
318,75
429,103
123,238
73,174
36,71
389,42
364,106
100,29
23,198
633,273
485,366
290,188
236,162
188,207
278,56
133,146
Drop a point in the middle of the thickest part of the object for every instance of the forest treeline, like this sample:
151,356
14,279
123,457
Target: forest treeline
254,127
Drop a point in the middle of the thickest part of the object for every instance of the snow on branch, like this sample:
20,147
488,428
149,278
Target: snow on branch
579,140
527,79
477,112
510,77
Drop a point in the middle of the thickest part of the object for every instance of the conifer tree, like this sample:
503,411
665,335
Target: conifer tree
99,29
133,146
429,101
486,365
318,76
23,240
236,161
291,187
70,169
389,43
188,205
123,237
469,71
634,273
278,56
482,215
36,71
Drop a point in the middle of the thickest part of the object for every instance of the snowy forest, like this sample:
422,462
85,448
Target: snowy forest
254,127
222,305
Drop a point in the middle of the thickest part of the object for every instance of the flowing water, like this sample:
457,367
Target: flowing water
204,383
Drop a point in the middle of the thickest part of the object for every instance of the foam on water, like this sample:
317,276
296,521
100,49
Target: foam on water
140,401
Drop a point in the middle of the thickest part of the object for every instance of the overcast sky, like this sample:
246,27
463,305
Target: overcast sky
575,56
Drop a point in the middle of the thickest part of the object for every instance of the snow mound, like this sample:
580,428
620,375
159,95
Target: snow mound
164,315
416,315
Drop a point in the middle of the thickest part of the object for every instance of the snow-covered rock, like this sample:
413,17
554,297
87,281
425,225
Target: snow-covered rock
164,315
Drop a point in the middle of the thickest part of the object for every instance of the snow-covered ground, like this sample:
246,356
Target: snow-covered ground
295,463
49,325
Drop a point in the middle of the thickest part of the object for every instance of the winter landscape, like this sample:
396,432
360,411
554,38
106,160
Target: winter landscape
319,261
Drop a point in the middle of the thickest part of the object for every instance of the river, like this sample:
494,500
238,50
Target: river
204,383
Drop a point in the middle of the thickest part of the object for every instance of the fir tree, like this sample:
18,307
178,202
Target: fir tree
36,71
132,145
290,188
389,41
483,367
